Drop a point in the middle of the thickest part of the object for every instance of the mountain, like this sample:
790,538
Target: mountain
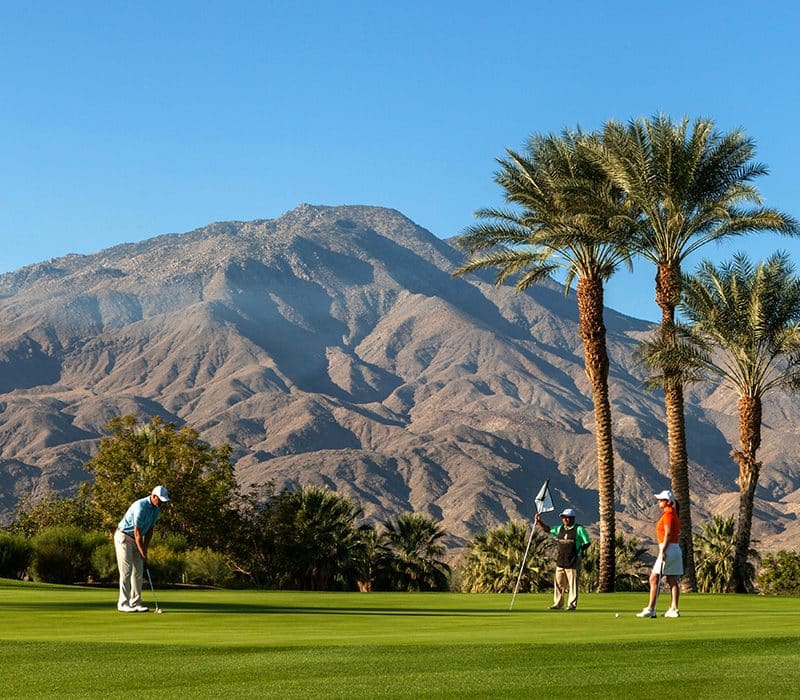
332,346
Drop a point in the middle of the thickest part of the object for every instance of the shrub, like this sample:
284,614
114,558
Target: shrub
61,555
15,555
631,571
780,573
714,550
104,563
177,543
165,564
493,560
206,567
53,512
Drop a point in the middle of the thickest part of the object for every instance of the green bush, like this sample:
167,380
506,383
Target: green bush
104,563
61,555
494,558
177,543
165,564
15,555
780,573
208,568
632,571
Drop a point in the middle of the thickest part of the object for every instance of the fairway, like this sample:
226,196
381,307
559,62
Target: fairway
64,642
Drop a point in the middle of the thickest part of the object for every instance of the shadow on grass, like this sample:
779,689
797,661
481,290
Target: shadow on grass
221,608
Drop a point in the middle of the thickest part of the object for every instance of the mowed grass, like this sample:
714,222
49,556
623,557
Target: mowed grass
65,642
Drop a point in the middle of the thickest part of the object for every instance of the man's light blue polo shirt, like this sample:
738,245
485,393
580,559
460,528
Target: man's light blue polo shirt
141,514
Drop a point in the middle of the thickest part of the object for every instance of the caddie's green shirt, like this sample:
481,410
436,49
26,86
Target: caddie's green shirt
571,543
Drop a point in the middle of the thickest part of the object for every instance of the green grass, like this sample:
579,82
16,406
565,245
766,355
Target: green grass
65,642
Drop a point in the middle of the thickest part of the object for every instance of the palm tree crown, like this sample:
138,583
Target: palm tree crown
569,217
753,315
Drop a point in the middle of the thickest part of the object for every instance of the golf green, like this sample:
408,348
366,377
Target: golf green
63,642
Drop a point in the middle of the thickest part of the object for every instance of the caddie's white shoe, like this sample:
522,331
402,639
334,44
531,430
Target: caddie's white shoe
672,613
646,612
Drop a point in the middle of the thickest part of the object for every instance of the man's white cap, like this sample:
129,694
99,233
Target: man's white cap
161,492
665,495
567,513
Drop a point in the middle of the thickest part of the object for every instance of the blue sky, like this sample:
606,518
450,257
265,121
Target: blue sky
120,121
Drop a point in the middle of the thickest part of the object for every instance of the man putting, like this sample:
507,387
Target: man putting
131,541
572,541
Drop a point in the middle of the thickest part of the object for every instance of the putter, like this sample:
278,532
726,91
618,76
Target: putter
158,610
658,587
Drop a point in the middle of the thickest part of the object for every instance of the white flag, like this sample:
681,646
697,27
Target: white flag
544,503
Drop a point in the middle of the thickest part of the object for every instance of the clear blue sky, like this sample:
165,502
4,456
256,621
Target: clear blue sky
123,120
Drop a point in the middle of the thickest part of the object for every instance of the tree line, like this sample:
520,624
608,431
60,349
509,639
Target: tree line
308,538
656,190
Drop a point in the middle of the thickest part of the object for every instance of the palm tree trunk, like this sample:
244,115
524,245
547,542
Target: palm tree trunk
679,475
667,296
593,333
749,468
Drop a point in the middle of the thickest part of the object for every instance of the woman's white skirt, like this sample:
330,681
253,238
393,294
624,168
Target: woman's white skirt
673,561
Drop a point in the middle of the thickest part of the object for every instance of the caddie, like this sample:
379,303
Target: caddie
572,541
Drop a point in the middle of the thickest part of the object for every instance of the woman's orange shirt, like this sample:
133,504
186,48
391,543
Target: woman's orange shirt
668,516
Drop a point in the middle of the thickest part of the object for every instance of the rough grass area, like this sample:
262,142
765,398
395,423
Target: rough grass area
71,642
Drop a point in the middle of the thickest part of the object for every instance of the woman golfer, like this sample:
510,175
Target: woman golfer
670,558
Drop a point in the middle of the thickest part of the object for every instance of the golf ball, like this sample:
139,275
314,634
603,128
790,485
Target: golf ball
159,610
617,615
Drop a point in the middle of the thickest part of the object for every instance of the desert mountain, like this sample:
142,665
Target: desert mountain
332,346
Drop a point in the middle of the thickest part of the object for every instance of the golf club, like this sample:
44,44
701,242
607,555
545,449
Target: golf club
658,586
158,610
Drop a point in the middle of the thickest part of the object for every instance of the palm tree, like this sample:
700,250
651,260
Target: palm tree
567,217
410,555
320,546
750,318
714,547
689,187
494,558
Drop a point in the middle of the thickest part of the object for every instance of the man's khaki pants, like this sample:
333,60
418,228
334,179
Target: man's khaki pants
566,581
131,569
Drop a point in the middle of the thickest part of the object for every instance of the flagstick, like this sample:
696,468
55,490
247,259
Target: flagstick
522,568
544,504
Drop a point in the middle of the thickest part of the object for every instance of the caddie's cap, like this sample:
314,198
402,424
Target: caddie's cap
567,513
665,495
161,492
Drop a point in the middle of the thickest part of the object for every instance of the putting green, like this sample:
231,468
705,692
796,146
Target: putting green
59,641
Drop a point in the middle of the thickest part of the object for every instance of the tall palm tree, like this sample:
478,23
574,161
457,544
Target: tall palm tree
745,322
567,216
690,185
495,556
410,555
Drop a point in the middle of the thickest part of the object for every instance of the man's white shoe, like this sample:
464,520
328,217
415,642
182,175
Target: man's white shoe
646,612
672,613
124,607
141,608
